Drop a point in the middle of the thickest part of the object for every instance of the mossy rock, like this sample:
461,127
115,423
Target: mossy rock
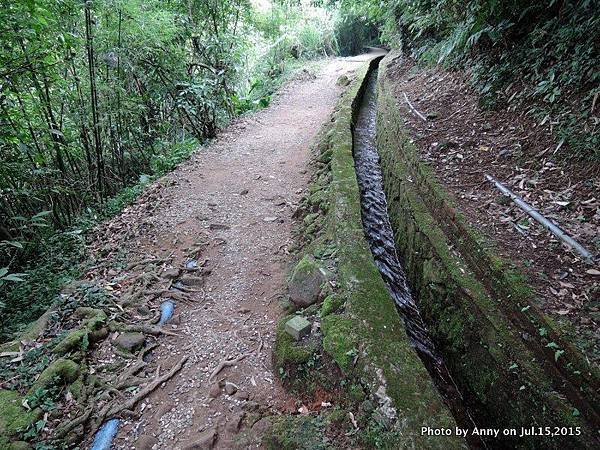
305,283
287,352
343,80
13,417
62,371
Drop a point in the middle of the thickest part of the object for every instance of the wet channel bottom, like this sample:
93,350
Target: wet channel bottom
380,236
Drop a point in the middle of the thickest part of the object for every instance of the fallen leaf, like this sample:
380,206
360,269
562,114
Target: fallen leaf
593,272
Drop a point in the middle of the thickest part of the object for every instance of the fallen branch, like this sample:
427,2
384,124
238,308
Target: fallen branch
555,230
421,116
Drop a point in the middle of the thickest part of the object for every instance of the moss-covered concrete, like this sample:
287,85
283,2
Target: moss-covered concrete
478,308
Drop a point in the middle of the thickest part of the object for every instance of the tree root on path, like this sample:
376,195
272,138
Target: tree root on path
146,328
227,363
129,379
112,409
144,262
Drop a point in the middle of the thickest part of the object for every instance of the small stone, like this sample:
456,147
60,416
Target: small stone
297,327
230,388
215,391
170,274
205,441
306,281
343,80
129,342
270,219
242,395
262,427
244,192
218,226
236,422
145,442
251,406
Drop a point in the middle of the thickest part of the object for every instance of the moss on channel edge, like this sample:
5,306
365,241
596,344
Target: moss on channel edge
361,328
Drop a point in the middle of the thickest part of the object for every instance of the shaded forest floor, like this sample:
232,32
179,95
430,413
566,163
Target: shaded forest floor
463,141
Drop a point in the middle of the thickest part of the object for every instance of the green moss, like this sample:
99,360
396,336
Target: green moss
331,304
297,432
13,417
61,371
287,352
338,340
93,320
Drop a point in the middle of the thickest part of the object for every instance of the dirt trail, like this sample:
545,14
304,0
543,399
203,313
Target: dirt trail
234,201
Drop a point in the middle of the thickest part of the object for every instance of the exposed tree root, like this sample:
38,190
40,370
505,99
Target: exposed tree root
144,262
112,409
227,363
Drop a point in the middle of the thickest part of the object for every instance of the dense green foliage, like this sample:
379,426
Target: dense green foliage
544,55
97,97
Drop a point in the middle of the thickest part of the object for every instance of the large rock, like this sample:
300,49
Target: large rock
129,342
305,284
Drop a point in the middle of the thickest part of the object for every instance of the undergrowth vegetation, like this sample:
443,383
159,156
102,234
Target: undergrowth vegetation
542,56
98,98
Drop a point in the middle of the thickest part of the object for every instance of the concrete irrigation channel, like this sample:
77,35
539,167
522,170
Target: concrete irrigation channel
470,319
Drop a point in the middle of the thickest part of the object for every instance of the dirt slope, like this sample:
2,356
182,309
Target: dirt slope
229,208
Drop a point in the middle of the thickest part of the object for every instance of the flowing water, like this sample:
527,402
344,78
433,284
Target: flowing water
380,236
